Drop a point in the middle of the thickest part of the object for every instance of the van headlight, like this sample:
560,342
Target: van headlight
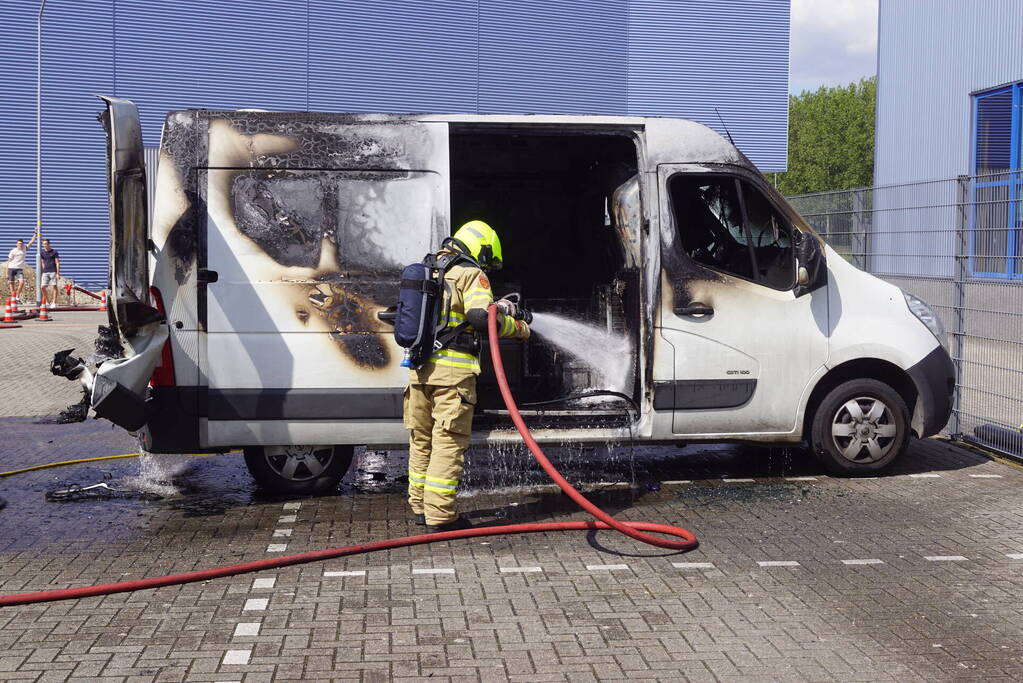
928,317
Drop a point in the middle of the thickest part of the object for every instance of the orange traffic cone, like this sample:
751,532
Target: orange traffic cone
103,301
14,305
9,311
44,316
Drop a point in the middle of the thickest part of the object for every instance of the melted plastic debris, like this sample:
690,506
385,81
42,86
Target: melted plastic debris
108,345
100,491
76,412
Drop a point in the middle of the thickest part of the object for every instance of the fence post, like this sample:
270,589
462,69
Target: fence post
960,277
860,229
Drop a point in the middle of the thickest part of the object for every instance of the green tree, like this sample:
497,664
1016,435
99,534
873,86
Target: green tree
831,139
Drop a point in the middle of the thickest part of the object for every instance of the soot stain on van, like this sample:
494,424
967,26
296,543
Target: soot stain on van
179,145
367,350
327,141
348,308
680,272
285,214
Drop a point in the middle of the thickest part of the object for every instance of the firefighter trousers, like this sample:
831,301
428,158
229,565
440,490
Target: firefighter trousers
440,420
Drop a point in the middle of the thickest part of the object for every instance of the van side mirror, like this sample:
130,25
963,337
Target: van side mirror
811,270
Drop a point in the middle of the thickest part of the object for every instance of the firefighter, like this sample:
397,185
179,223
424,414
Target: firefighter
441,396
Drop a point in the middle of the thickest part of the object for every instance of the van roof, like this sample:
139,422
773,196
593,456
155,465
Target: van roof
669,140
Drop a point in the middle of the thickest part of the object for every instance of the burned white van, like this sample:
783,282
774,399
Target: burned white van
253,310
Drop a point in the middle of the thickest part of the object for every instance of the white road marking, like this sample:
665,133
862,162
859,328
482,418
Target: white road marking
440,570
605,567
277,547
800,478
240,657
1014,556
678,481
256,604
925,475
693,565
871,561
521,570
293,506
249,628
288,519
945,558
778,563
986,476
278,533
264,583
737,480
352,572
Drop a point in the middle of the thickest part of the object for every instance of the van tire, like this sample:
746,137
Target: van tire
860,428
299,469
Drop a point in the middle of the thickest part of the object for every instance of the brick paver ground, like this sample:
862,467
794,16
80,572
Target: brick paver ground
26,385
911,576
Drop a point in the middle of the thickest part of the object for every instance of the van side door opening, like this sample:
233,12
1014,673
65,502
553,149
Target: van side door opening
550,195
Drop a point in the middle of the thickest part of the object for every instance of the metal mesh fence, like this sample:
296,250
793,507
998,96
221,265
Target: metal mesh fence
956,244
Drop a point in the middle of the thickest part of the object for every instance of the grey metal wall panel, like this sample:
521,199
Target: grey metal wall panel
931,57
393,55
686,58
553,56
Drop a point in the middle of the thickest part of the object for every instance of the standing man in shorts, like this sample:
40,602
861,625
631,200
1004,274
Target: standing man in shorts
50,274
16,267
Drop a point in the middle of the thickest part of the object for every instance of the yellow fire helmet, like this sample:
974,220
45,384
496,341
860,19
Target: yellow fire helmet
481,242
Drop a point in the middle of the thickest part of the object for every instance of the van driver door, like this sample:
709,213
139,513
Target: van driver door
310,222
745,338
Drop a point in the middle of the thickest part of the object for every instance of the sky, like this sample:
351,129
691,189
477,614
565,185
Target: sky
833,42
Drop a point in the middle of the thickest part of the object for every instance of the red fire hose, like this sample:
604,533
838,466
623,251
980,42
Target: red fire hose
635,530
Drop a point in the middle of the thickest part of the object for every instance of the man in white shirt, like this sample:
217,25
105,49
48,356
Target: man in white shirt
16,267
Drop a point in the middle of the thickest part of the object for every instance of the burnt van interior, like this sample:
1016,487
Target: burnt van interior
550,198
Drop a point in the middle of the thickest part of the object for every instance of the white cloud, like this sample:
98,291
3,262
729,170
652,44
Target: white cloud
833,42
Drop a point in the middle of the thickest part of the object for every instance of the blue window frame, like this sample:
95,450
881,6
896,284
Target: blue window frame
996,222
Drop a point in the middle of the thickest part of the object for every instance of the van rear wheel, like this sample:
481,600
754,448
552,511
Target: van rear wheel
860,427
299,469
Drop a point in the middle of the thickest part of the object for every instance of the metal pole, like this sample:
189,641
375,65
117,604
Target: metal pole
960,277
39,151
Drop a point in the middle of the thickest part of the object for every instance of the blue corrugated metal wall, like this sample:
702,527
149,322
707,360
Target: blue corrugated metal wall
393,55
643,57
560,56
698,55
77,64
18,126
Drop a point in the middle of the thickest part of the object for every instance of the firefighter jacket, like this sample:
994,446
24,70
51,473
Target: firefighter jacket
466,287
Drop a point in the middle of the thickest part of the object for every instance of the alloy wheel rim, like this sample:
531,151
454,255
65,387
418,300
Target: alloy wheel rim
298,463
864,430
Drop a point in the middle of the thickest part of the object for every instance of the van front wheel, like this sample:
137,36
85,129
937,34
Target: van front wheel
299,469
860,427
